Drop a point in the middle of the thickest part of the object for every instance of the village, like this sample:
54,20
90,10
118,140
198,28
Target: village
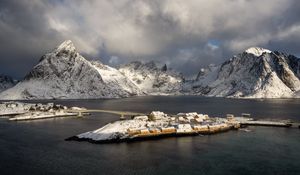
181,124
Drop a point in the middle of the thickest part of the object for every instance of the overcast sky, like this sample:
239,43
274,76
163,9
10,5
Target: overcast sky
185,34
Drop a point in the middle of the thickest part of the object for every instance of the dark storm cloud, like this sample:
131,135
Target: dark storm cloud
24,35
186,35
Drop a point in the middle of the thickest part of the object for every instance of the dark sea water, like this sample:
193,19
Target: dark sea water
38,147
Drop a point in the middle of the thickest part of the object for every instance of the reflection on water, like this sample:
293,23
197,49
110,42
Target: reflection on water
38,147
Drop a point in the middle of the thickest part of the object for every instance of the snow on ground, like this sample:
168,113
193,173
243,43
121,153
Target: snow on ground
119,129
116,130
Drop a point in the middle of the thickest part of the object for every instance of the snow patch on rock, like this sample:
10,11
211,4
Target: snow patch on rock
257,51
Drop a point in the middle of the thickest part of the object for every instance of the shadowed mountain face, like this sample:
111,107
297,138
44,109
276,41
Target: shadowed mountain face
65,74
6,82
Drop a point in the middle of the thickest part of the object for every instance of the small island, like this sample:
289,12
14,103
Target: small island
18,111
158,124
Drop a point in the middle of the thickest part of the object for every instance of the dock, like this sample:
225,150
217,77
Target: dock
246,120
266,123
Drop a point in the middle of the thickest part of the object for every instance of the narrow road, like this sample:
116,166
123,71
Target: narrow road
122,113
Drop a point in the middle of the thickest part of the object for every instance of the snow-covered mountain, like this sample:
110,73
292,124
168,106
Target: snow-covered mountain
6,82
255,73
151,79
65,74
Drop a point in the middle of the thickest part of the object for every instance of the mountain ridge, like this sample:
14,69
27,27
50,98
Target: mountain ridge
64,74
262,74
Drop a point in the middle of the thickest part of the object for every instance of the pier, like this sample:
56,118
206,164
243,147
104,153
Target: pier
265,123
246,120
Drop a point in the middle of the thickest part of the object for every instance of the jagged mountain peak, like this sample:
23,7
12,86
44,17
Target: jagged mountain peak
65,46
257,51
151,65
133,64
66,50
65,74
6,78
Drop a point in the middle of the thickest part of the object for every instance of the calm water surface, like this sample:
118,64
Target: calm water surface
38,147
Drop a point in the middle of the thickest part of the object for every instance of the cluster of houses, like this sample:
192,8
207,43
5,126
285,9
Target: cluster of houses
49,107
31,111
17,107
159,123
